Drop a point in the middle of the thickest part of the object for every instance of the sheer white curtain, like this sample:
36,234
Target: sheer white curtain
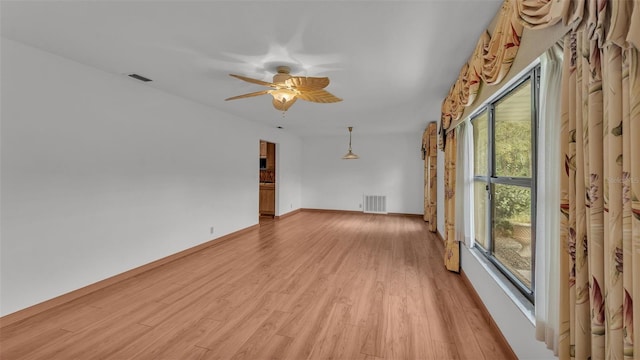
547,293
464,184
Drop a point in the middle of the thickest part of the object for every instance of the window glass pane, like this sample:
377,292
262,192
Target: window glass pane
480,144
480,213
513,133
512,229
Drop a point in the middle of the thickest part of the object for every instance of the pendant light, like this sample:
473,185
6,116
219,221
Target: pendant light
350,155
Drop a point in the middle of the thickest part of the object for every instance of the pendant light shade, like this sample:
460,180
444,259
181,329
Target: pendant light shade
350,155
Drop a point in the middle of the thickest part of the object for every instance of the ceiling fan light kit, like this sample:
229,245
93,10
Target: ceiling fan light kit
286,89
350,155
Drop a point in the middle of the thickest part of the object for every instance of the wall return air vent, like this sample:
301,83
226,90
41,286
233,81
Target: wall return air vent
375,204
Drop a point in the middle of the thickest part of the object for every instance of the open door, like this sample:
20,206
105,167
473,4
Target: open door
267,197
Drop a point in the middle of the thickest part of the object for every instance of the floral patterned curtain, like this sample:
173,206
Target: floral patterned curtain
540,14
600,160
451,245
600,186
495,52
489,63
429,154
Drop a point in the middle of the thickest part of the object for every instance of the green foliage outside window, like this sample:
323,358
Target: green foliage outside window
513,149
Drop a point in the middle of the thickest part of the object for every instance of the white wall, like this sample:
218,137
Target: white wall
288,173
515,326
101,174
389,165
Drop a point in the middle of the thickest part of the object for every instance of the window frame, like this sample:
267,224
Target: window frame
490,179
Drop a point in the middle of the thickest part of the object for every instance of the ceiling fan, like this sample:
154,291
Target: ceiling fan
286,89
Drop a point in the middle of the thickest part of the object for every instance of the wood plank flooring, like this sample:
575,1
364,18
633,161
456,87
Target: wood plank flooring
316,285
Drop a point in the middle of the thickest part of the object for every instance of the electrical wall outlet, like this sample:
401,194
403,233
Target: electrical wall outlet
211,231
360,206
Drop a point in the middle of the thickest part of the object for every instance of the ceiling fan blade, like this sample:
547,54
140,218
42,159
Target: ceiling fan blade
318,96
257,93
283,106
307,83
253,81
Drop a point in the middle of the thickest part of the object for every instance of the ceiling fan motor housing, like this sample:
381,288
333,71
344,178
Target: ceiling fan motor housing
282,75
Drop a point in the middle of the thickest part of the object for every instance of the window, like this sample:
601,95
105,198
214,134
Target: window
504,145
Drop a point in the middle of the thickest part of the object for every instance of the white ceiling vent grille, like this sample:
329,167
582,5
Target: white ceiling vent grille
375,204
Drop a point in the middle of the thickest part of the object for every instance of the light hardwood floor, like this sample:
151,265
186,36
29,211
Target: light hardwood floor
315,285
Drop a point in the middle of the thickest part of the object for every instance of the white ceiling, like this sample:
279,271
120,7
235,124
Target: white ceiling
391,61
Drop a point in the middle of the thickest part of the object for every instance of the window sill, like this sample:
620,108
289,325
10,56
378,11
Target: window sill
521,302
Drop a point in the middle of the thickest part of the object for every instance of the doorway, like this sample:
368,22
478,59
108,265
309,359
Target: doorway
267,191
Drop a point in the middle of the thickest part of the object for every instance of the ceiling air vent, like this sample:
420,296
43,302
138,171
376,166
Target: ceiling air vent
139,77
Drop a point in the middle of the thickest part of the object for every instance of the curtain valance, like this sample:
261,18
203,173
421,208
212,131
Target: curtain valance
495,52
